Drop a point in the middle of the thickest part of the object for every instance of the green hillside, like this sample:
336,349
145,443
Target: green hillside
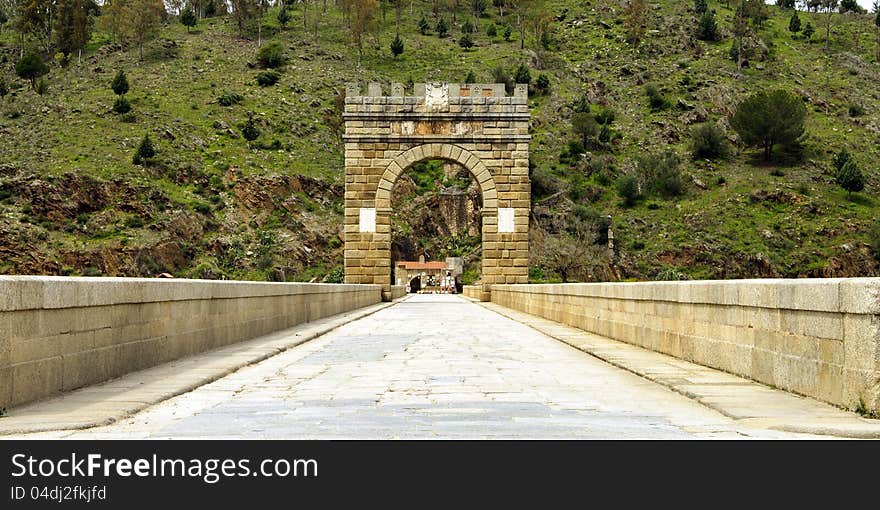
211,204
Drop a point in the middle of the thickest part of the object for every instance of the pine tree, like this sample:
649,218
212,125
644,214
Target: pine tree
283,16
424,28
809,31
120,83
877,22
72,26
470,78
522,75
707,29
442,28
767,119
850,178
250,131
188,18
31,67
794,24
700,6
466,42
145,151
397,46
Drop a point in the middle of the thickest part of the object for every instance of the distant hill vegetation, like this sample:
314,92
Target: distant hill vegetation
671,139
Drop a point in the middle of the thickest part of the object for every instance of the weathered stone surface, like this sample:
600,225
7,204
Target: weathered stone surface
814,337
385,135
61,333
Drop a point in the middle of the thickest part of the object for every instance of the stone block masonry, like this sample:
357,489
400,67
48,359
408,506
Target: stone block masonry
474,125
61,333
814,337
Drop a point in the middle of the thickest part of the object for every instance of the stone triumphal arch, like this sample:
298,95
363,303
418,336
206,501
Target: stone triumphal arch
477,126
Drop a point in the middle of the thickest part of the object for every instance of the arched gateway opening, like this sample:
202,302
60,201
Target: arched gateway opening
476,126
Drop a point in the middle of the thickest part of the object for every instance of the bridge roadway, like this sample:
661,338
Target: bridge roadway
430,366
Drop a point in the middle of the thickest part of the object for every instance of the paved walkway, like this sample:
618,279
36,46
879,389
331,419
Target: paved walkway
430,366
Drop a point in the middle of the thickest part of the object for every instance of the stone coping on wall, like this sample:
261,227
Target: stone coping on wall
50,292
840,295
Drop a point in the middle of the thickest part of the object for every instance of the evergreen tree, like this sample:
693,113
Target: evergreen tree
119,83
188,18
396,46
442,28
31,67
145,151
508,32
72,26
466,42
470,78
424,28
851,6
809,31
877,22
250,131
794,24
767,119
284,17
840,159
700,6
707,28
585,126
850,178
522,75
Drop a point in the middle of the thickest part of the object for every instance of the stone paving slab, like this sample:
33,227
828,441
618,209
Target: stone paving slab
748,402
117,399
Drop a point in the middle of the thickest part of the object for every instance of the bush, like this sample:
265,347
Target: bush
467,28
544,183
522,75
250,131
442,28
850,177
660,173
229,99
4,88
542,84
656,100
708,142
628,189
491,31
508,32
501,76
470,78
42,86
267,79
145,151
337,275
134,222
424,28
466,42
119,83
840,159
272,55
856,110
121,105
874,238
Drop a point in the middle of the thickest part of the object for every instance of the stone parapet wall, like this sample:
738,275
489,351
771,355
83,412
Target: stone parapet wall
475,292
60,333
397,291
815,337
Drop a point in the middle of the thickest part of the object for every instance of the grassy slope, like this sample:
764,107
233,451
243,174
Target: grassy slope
716,232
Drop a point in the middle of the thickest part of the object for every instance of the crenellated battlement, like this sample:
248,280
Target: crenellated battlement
437,93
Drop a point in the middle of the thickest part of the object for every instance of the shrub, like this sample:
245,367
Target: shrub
708,142
656,100
543,183
856,110
272,55
467,27
4,88
522,75
283,16
466,42
424,28
508,32
121,105
229,99
700,6
874,238
501,76
667,180
267,79
337,275
542,84
470,78
442,28
145,151
850,177
840,159
42,86
809,31
250,131
605,116
794,23
491,31
628,189
134,222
